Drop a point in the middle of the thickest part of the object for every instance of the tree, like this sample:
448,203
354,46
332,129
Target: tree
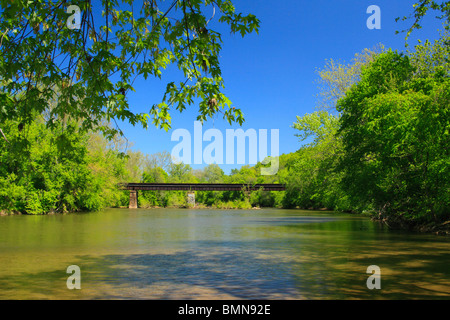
90,71
46,170
311,177
212,173
180,172
161,160
428,56
336,78
155,175
394,128
314,180
421,9
154,198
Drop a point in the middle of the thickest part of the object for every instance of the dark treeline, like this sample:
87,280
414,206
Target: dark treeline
379,143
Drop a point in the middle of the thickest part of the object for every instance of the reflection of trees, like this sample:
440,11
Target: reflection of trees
326,269
332,263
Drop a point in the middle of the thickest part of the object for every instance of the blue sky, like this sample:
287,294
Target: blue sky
271,76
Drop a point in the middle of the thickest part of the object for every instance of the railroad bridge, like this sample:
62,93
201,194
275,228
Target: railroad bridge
192,187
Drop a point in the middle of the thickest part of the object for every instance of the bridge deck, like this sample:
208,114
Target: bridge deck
203,186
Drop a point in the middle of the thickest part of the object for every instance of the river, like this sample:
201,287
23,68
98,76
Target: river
217,254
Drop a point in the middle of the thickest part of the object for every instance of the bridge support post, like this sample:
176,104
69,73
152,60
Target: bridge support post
191,198
133,199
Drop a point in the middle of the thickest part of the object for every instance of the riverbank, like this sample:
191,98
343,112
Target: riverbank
392,222
400,223
9,213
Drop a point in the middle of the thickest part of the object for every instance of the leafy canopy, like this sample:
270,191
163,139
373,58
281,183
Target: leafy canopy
90,72
394,128
421,8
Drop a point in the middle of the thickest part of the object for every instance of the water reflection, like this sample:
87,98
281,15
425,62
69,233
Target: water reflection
217,254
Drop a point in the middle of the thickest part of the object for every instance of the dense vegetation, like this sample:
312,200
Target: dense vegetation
57,170
384,149
378,143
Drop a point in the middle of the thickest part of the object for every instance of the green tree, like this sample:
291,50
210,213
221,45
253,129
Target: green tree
395,132
180,172
428,56
155,175
314,180
90,72
421,8
135,166
311,175
212,173
336,78
45,170
154,198
161,160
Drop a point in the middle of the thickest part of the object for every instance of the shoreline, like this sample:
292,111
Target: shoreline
398,223
391,222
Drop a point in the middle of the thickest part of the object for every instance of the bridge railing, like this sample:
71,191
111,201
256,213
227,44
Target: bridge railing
203,186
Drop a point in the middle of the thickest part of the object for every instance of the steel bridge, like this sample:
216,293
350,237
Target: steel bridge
134,187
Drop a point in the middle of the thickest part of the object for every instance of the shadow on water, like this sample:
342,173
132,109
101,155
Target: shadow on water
209,271
227,274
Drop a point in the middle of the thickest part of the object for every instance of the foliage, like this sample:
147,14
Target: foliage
380,141
395,132
385,151
46,170
89,72
428,56
421,8
387,148
313,181
336,78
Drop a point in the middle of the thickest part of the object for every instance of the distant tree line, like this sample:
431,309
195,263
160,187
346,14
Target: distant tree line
378,143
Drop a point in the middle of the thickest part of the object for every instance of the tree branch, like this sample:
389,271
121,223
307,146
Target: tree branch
1,131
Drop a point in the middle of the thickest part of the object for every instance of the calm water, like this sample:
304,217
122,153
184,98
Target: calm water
217,254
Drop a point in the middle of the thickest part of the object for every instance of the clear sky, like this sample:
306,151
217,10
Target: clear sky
271,76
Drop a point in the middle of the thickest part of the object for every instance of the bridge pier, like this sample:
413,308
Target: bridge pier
133,199
191,198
